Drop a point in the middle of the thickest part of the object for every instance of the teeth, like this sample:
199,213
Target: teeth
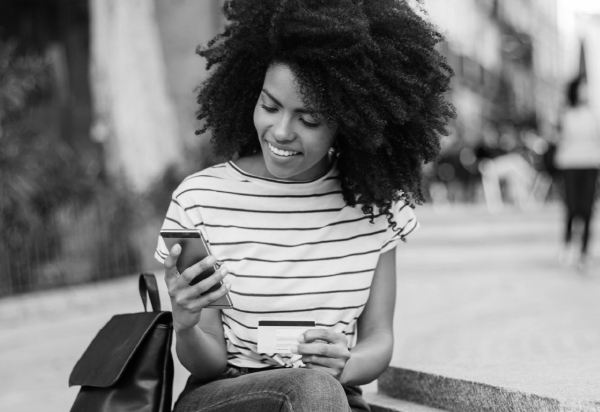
280,152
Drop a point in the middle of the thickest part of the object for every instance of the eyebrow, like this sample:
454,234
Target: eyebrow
307,111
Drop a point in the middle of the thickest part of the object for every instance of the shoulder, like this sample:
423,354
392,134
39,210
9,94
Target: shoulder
218,171
252,164
403,212
403,219
204,179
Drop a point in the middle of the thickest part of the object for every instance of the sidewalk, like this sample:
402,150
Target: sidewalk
490,304
479,298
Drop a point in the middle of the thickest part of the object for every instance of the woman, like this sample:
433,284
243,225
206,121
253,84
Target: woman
578,157
325,111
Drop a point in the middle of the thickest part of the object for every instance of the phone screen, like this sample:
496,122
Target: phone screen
193,249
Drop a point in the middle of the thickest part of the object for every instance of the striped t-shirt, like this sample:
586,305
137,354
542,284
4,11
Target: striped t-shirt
293,250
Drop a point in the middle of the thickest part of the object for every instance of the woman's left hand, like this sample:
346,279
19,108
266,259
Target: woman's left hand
324,350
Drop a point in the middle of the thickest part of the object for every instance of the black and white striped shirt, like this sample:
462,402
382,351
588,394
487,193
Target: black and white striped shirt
293,250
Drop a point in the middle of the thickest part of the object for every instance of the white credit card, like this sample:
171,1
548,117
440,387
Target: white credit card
278,335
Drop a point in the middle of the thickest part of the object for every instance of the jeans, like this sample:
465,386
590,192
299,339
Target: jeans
282,389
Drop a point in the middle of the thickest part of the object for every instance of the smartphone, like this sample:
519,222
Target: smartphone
194,248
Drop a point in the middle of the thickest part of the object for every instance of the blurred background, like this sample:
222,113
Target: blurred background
96,129
97,121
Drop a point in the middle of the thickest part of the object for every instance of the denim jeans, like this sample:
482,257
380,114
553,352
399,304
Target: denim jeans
282,389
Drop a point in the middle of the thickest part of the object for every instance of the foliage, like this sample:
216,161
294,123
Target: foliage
42,175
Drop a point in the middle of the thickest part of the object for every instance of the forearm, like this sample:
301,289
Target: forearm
200,353
369,358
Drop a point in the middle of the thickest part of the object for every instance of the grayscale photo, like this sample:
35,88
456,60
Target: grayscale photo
300,205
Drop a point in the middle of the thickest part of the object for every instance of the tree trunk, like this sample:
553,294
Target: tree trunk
134,116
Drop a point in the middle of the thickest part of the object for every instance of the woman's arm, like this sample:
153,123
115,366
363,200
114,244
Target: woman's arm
200,342
201,349
328,351
373,350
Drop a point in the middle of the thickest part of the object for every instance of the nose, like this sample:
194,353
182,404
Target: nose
283,130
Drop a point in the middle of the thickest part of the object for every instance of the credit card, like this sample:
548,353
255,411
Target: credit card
278,335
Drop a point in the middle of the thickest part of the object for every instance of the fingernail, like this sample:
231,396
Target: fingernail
228,285
301,338
176,249
212,260
224,272
294,349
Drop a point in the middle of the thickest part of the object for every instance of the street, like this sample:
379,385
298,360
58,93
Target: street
480,297
483,298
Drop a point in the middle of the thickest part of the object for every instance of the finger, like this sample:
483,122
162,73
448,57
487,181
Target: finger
204,285
199,303
327,335
324,362
170,263
322,349
190,273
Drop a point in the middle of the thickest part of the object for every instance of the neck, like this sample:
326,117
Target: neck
254,164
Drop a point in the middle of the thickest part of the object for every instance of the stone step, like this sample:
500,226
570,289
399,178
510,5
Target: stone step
383,403
461,395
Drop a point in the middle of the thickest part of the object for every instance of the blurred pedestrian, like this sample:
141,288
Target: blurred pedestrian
578,158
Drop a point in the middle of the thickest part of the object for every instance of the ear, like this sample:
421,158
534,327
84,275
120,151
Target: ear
335,147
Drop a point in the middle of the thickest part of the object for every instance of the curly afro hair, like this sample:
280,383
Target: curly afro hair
369,67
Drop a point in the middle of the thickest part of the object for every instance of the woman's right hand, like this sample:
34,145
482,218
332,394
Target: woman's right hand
186,301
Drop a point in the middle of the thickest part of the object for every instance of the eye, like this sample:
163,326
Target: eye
310,124
269,109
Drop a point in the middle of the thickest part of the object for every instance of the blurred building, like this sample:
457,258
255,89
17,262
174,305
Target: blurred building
506,56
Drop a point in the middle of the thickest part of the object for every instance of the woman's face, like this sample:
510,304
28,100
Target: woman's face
294,143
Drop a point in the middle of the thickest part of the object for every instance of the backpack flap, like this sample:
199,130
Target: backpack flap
112,349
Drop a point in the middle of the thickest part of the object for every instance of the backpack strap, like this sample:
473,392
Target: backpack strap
149,287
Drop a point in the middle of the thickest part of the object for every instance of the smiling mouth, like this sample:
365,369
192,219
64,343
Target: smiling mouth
279,152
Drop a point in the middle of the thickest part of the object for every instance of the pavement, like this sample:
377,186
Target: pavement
483,299
480,297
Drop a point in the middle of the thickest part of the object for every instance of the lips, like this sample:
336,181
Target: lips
280,152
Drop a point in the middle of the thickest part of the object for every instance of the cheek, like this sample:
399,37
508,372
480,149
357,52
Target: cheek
257,118
321,144
327,140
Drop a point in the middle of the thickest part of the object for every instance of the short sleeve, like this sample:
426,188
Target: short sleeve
403,224
176,218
